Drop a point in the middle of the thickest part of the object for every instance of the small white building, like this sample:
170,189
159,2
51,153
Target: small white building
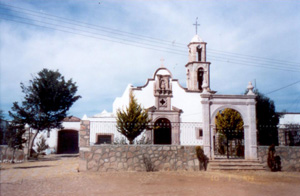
289,129
186,113
65,140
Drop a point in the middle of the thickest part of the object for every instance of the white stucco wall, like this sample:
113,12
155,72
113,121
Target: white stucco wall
53,138
188,102
121,102
290,118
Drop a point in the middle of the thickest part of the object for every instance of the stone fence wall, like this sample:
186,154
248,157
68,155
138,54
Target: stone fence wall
7,153
138,157
290,156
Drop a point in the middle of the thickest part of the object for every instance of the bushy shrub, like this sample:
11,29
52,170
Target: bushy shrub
149,165
143,140
121,141
42,145
274,162
203,159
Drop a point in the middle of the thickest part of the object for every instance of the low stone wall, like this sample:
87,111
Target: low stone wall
290,156
135,157
7,153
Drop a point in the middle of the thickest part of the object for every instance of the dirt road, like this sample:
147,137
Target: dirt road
58,175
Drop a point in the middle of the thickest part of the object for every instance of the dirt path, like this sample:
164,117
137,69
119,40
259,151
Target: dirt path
58,175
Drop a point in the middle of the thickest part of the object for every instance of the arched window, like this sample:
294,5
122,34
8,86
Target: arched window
199,50
200,76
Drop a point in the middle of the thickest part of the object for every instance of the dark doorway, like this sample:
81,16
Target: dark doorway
162,132
67,142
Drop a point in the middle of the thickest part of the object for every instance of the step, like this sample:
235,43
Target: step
235,164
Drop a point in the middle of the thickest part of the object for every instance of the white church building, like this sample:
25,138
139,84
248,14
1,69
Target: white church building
188,113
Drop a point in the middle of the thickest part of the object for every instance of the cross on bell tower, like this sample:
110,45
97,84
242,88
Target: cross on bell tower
196,25
197,68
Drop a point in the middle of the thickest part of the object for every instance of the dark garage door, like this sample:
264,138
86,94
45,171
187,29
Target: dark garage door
67,142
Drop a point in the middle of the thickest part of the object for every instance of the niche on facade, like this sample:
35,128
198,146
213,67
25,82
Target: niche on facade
163,85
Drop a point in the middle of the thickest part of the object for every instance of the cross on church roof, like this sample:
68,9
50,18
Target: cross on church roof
196,24
162,62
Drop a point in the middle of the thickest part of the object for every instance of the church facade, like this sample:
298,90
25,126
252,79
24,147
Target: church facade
186,113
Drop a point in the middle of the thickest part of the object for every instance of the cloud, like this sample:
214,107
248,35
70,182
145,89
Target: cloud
102,69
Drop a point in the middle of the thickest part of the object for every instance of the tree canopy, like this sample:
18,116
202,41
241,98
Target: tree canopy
267,120
47,99
132,121
229,119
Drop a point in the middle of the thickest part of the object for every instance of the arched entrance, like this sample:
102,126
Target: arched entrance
67,142
162,131
229,134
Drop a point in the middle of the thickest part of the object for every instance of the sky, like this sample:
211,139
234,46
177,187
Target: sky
105,45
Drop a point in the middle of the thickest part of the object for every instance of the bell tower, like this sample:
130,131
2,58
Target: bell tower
197,68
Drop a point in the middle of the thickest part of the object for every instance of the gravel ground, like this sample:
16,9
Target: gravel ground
58,175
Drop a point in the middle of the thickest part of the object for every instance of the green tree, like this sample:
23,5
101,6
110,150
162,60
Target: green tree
47,99
229,119
14,137
132,121
266,120
229,125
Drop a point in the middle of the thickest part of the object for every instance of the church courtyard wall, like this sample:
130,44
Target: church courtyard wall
107,158
110,158
6,154
290,156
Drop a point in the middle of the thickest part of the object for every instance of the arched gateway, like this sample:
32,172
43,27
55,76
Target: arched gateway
245,105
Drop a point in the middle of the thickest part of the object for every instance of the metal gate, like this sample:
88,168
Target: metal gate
229,144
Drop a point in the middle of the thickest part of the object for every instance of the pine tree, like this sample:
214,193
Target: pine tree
47,99
132,121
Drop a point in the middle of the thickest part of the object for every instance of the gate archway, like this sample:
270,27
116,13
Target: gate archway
67,142
162,131
228,137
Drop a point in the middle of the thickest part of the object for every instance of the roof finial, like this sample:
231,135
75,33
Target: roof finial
196,25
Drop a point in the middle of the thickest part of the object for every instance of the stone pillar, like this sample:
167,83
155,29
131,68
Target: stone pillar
84,134
206,125
84,144
281,137
251,140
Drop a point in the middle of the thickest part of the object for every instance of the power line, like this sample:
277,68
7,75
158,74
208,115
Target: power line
120,42
283,87
259,66
129,42
76,29
142,45
115,31
256,57
101,27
